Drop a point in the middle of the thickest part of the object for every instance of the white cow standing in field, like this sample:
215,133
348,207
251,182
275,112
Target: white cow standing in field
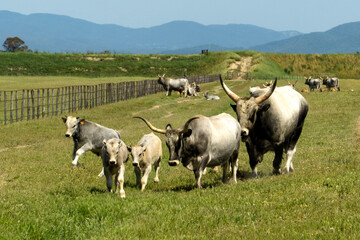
145,154
114,153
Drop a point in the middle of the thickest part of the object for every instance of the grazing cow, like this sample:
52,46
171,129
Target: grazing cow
181,85
145,154
87,136
271,119
210,96
331,83
114,153
203,142
313,83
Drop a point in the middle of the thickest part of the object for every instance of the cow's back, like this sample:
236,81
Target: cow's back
287,108
217,135
94,134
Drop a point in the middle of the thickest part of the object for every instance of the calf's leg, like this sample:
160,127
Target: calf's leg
145,177
120,181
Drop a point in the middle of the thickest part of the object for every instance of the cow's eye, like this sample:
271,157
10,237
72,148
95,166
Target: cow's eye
74,126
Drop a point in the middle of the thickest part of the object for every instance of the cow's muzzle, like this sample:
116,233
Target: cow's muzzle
135,164
174,162
112,163
67,135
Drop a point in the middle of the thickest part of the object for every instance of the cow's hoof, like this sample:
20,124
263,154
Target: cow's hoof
276,171
156,180
122,194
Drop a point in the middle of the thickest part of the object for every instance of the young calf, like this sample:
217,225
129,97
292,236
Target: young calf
114,153
146,153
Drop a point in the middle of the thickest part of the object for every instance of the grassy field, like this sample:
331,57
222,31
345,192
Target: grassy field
43,197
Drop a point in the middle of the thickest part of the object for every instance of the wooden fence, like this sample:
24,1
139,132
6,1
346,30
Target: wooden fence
31,104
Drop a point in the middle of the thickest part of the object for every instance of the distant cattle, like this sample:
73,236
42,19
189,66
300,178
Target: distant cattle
331,83
270,119
209,96
314,83
147,153
292,84
181,85
193,89
87,136
203,142
114,154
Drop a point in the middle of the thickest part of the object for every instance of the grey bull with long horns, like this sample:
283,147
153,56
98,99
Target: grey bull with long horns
271,119
203,142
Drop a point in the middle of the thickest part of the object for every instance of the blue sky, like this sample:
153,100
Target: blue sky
304,16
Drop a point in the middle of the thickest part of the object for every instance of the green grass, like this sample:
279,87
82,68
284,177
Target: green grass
43,197
110,65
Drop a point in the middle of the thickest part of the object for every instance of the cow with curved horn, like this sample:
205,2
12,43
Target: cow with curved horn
271,119
203,142
180,84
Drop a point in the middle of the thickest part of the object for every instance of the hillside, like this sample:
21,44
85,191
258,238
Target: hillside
55,33
341,39
107,65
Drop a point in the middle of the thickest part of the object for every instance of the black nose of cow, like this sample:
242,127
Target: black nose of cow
135,164
244,132
67,135
112,162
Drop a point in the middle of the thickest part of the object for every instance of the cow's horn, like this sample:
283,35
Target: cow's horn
232,95
262,98
163,131
185,128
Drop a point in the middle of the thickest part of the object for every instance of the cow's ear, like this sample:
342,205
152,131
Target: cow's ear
265,107
64,119
187,133
128,148
233,106
168,127
82,121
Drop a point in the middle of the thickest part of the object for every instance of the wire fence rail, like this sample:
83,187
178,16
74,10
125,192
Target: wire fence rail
30,104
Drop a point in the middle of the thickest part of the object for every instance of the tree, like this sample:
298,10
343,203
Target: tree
15,44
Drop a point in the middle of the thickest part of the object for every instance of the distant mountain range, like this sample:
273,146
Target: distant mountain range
56,33
344,38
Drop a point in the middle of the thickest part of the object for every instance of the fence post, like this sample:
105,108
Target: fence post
5,108
12,107
16,106
28,105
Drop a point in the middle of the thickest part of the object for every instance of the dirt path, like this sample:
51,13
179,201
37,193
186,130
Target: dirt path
242,66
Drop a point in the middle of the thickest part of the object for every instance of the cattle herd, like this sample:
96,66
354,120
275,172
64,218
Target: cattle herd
270,119
331,84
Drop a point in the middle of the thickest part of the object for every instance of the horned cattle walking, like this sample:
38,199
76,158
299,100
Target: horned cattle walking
313,83
271,119
181,85
114,153
87,136
203,142
145,154
331,83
